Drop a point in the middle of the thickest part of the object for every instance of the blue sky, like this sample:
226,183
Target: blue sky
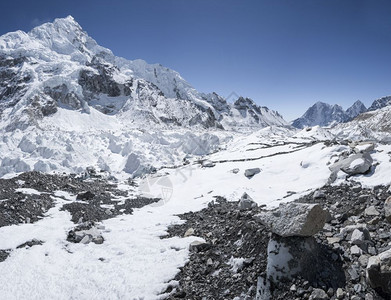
284,54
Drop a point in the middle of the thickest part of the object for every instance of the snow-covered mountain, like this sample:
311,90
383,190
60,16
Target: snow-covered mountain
324,114
357,108
60,90
57,65
380,103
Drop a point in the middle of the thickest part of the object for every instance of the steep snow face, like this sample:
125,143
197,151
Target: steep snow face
380,103
58,65
324,114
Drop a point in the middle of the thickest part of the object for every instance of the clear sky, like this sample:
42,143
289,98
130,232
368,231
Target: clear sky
284,54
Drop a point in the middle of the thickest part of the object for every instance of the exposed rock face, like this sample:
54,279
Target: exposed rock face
379,272
294,219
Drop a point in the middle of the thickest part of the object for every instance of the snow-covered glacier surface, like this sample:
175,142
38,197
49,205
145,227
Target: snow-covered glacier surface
134,262
70,141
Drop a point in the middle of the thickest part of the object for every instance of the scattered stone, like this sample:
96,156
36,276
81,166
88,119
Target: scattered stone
85,196
86,239
355,250
189,232
371,211
333,240
199,246
368,297
319,294
3,255
208,164
251,172
235,171
294,219
246,202
319,195
340,293
363,260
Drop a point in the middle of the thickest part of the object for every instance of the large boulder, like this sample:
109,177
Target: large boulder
355,164
379,273
294,219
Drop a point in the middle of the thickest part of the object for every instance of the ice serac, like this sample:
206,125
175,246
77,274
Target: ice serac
58,66
324,114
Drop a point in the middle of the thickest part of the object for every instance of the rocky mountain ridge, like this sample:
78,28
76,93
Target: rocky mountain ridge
58,66
324,114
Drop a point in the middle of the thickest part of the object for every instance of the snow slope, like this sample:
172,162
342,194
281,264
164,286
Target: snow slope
133,262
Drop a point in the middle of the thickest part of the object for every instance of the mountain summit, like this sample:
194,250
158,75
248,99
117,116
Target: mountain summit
324,114
58,66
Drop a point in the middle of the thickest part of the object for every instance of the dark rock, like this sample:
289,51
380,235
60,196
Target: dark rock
246,202
249,173
85,196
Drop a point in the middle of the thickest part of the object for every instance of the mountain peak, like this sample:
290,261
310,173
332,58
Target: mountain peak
325,114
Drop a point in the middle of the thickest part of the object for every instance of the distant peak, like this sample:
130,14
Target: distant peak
69,20
68,23
320,103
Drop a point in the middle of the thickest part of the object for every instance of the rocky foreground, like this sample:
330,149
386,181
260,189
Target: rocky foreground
340,249
334,243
